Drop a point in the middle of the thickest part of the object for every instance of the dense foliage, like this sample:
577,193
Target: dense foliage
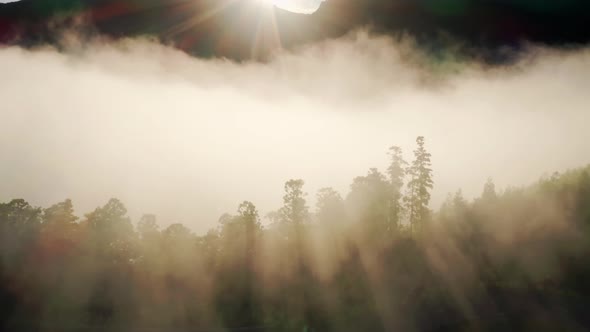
375,260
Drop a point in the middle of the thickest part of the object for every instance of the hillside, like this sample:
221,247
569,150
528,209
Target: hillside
209,28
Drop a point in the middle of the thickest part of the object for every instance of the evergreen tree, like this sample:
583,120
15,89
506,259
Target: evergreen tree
419,186
397,173
294,210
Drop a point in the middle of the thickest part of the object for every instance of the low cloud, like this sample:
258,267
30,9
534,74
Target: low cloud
188,139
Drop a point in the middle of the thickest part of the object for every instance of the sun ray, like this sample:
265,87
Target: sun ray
184,26
266,27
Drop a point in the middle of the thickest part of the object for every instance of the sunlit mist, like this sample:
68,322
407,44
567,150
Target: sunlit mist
187,139
329,178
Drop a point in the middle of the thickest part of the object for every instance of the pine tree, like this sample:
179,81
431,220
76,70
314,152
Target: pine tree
397,173
419,186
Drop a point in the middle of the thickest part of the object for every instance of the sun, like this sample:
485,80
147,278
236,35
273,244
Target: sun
296,6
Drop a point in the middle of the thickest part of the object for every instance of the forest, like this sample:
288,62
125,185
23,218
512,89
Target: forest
376,259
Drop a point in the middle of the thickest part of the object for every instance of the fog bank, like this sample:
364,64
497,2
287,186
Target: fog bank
188,139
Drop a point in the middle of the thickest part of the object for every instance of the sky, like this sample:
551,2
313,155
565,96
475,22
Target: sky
188,139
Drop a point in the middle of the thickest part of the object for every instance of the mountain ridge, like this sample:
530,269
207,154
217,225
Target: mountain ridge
205,28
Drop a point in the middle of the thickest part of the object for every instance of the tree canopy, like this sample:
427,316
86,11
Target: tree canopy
379,259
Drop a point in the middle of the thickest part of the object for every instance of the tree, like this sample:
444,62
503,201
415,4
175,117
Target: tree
60,213
111,231
241,232
397,173
369,204
19,231
293,215
178,241
329,206
453,208
19,227
489,191
419,186
248,215
294,210
111,241
19,214
58,230
148,227
150,244
459,201
237,277
177,231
